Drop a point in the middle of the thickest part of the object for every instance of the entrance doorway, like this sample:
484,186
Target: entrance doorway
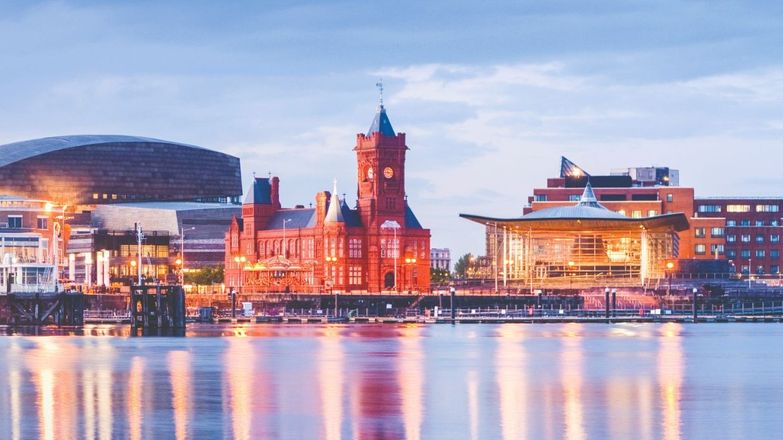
388,280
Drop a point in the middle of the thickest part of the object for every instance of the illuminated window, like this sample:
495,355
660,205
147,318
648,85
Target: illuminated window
700,232
701,249
767,208
669,197
745,238
637,214
737,208
731,238
716,232
761,253
716,248
355,275
652,213
774,238
759,239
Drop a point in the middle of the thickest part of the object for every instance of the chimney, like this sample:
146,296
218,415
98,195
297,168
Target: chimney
274,195
321,204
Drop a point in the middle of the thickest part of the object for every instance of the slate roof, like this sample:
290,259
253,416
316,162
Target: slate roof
300,218
587,208
16,151
381,124
411,222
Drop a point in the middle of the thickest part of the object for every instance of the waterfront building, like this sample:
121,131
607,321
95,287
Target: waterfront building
583,244
749,232
97,187
376,246
440,258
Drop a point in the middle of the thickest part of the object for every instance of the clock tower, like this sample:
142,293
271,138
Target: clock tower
380,157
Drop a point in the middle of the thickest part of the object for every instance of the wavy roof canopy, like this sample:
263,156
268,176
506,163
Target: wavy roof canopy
16,151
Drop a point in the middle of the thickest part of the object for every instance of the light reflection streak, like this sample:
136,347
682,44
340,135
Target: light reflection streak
135,384
104,380
179,370
670,372
473,406
15,380
512,381
571,370
238,366
410,377
331,383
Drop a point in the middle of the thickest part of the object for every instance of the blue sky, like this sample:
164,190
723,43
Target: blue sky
490,94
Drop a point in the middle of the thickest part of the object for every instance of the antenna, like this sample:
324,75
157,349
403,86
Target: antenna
379,84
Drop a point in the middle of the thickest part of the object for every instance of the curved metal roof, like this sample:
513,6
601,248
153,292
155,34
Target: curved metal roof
16,151
588,213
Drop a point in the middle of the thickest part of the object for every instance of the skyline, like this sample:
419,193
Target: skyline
487,110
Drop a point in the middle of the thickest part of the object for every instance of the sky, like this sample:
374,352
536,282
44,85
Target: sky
490,94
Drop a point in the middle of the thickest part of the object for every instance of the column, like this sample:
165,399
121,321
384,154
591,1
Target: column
106,266
71,267
99,268
87,268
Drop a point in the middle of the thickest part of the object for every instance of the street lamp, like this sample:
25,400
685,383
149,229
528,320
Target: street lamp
332,260
394,226
669,267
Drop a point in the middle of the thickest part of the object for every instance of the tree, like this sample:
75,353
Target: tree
439,276
461,266
205,276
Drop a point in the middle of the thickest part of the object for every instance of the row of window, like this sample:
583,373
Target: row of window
759,253
745,238
747,222
773,269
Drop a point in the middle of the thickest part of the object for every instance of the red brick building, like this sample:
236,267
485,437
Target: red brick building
377,246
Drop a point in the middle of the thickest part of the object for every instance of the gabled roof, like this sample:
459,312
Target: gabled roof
381,124
294,218
260,192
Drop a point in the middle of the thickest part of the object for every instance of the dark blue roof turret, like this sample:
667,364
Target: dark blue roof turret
260,192
381,124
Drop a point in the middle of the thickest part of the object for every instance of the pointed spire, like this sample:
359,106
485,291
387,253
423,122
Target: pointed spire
335,213
381,123
588,197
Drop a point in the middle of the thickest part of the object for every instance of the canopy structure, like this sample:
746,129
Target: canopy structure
581,245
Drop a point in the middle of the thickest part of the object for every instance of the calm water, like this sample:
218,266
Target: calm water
511,381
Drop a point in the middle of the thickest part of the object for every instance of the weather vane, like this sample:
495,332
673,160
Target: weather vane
379,84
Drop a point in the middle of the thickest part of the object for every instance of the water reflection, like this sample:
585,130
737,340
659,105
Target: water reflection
238,365
512,381
331,383
571,381
670,373
571,369
179,371
134,393
411,378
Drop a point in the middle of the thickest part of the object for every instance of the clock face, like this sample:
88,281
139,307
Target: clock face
388,172
370,173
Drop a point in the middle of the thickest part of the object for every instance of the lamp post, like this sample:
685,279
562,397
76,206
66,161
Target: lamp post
393,225
408,260
669,267
240,261
332,260
181,260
